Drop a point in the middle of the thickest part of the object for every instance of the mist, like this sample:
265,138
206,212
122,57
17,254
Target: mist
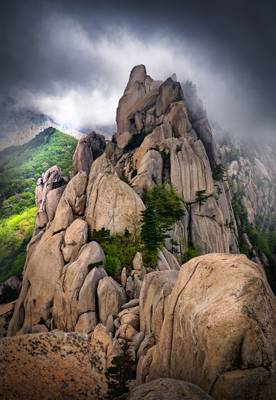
78,71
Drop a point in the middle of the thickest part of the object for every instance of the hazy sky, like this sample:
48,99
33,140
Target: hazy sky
71,59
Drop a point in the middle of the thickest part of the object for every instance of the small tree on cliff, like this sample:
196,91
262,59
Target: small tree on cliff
163,208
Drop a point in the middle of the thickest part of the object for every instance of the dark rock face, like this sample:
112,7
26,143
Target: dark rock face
9,290
88,149
199,121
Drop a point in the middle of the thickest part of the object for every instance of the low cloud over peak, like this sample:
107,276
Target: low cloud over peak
75,72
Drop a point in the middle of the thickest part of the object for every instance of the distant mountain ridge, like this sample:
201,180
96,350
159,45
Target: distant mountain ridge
20,125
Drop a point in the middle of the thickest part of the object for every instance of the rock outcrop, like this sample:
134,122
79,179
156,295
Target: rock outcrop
219,329
210,322
168,389
88,149
54,365
49,189
164,136
113,205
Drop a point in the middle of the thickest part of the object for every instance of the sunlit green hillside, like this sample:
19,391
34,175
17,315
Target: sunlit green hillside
19,168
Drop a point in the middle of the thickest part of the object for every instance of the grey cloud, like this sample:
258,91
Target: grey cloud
71,59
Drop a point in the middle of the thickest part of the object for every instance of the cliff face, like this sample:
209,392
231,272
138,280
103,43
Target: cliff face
155,117
151,313
251,169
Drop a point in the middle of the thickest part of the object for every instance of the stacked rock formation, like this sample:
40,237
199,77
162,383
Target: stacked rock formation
164,135
206,326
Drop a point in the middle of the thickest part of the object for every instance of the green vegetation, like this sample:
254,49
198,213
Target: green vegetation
201,197
219,173
119,249
20,167
190,253
260,240
15,232
123,369
165,154
163,208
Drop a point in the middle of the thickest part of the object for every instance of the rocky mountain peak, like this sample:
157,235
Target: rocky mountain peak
118,271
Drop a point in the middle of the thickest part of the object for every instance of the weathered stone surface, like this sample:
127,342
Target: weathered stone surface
169,92
209,230
131,303
139,270
53,365
49,189
126,331
130,316
149,173
154,300
71,203
167,389
111,297
75,237
167,261
102,165
113,205
190,169
76,290
40,277
88,149
139,96
219,329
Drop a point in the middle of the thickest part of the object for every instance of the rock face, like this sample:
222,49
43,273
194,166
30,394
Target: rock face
113,205
45,262
167,389
164,136
111,297
88,149
251,170
52,365
74,304
49,189
219,329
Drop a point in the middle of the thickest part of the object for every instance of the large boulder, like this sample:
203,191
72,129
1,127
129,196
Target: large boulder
113,205
54,365
111,296
40,277
75,237
219,329
154,300
167,389
88,149
75,299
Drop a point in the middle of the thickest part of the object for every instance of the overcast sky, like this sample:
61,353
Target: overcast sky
71,59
